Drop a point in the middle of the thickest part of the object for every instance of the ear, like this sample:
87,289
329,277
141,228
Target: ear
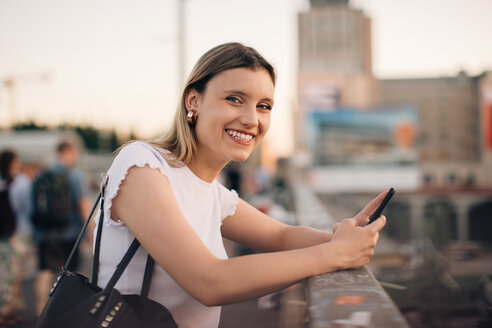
192,100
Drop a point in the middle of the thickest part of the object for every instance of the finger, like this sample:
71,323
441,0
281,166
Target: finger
363,215
335,227
352,222
378,224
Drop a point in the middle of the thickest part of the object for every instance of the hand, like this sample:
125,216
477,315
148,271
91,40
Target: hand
335,227
362,217
354,245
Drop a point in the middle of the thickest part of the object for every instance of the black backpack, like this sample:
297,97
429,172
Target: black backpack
8,223
52,205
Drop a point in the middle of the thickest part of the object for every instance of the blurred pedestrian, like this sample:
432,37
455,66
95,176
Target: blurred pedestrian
10,274
60,206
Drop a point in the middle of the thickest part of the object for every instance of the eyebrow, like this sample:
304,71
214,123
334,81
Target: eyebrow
242,93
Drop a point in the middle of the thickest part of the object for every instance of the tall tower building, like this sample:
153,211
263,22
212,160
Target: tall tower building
335,54
335,61
334,39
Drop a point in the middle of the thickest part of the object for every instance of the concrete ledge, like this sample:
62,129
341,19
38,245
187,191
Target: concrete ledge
349,298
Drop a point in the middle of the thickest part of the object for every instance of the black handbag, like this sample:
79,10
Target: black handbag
76,302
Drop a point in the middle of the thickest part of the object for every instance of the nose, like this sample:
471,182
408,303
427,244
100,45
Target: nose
249,117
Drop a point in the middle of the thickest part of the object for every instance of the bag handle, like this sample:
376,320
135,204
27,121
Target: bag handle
122,266
147,279
149,268
81,235
97,246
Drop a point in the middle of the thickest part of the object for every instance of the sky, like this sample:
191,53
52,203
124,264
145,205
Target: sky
114,63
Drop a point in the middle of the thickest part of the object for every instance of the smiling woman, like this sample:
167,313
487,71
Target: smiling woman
164,193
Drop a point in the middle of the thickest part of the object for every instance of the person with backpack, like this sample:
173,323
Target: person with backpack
60,206
10,275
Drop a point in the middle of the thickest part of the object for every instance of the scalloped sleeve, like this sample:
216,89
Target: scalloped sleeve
228,200
135,154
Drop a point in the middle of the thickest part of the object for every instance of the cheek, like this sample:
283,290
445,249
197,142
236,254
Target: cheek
264,123
207,129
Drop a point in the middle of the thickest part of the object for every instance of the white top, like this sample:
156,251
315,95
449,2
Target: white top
204,205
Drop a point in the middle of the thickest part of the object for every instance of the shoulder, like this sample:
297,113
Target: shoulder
135,154
139,150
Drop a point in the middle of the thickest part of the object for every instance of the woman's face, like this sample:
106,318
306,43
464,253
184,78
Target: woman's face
233,114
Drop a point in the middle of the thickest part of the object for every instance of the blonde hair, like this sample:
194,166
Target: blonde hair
180,139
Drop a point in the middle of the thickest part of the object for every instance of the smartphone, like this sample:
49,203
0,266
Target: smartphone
379,210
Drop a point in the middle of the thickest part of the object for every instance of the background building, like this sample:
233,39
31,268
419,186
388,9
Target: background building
449,127
453,125
335,62
430,137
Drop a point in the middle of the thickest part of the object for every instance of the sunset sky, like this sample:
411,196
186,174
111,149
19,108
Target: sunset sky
114,63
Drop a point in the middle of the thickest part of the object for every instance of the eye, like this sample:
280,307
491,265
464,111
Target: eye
233,99
264,106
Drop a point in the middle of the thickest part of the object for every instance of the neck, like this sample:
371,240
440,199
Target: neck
205,170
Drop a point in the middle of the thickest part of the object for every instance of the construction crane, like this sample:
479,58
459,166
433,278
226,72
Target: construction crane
12,82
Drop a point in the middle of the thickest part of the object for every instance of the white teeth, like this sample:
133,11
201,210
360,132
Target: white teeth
239,135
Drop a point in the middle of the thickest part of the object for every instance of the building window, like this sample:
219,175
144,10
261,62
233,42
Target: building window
470,180
452,178
428,179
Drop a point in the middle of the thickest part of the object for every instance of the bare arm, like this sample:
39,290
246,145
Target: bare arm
252,228
147,206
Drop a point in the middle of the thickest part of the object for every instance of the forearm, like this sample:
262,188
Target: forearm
245,277
295,237
260,232
214,281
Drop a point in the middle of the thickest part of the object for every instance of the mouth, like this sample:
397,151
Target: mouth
240,135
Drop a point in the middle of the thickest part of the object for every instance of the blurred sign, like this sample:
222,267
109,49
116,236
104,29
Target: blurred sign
349,136
487,115
319,95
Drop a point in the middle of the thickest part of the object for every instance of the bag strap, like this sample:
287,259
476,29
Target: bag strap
81,235
97,245
147,279
122,266
149,268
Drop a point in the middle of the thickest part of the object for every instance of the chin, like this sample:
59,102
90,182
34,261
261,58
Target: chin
240,157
